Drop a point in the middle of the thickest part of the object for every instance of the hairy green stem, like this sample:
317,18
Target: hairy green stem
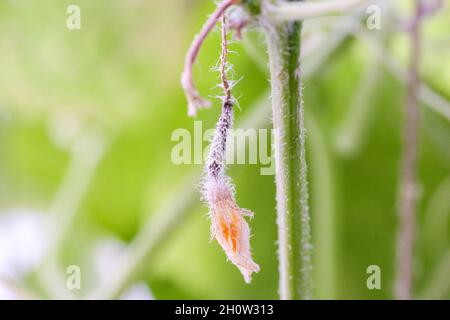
294,234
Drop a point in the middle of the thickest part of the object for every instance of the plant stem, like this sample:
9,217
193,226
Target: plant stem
405,236
294,235
187,81
86,154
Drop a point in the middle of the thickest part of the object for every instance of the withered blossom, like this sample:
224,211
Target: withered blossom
228,224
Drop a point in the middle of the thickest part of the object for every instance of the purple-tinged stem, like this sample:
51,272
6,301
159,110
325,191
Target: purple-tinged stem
195,101
407,210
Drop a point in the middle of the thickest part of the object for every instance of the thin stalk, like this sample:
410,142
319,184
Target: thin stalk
195,101
86,154
407,193
294,234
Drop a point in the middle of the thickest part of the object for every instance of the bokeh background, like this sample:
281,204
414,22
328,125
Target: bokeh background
87,179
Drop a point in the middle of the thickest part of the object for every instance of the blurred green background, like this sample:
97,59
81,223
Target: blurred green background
86,118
